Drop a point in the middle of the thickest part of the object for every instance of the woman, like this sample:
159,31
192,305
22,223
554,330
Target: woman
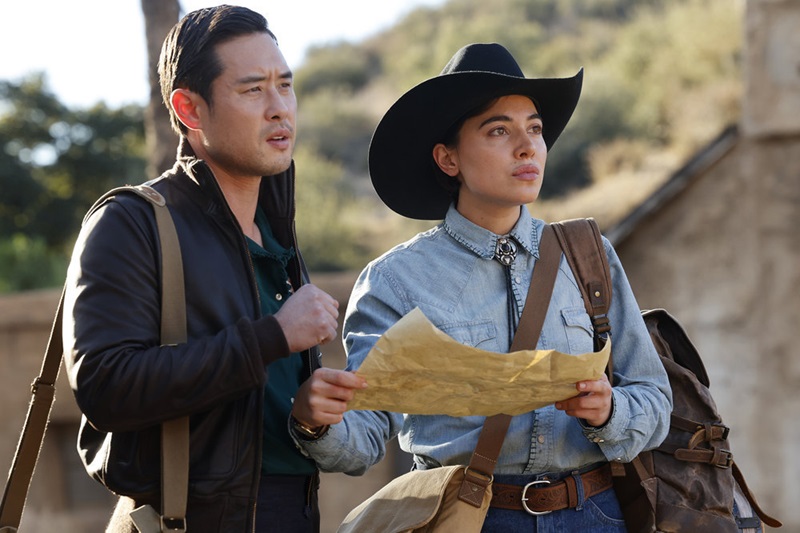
470,146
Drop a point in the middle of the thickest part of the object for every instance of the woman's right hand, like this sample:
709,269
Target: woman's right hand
322,399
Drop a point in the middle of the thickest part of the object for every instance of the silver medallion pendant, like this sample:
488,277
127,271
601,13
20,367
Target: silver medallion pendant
505,251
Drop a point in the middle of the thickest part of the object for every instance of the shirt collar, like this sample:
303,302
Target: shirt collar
482,242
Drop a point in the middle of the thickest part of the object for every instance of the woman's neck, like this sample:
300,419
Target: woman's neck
499,221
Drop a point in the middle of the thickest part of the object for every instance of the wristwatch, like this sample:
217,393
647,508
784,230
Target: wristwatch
307,432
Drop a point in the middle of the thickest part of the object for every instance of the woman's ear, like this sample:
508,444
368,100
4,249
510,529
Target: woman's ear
446,159
185,103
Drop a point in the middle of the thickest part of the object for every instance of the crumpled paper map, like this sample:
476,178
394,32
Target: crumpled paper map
416,368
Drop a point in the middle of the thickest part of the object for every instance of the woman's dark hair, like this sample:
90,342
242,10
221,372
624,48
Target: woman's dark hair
450,140
188,56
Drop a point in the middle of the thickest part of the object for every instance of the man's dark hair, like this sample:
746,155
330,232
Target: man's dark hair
188,57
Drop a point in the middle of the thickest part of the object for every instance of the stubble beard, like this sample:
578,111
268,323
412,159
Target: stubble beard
262,164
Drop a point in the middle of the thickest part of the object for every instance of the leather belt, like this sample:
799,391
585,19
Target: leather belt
544,496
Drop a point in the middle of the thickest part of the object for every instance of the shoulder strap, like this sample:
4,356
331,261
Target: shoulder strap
583,247
582,243
173,330
174,433
43,391
484,459
739,477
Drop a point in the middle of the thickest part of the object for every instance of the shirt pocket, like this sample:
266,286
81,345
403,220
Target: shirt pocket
480,334
578,329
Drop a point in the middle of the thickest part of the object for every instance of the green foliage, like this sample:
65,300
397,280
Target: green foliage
54,162
660,76
648,64
328,222
668,58
332,123
341,66
27,264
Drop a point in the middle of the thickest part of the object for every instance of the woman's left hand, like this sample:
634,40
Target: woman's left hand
593,402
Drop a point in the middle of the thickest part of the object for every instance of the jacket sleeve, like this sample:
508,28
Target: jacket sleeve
359,441
123,379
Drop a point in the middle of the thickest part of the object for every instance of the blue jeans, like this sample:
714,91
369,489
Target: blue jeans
599,514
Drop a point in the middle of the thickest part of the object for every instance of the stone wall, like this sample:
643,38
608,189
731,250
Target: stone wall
771,103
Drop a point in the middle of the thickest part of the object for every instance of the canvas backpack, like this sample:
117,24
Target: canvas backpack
690,483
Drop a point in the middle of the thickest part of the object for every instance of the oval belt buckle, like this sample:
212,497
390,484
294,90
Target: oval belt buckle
525,500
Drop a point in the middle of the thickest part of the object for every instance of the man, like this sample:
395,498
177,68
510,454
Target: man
253,320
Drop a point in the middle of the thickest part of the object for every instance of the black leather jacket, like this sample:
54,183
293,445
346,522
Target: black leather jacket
126,384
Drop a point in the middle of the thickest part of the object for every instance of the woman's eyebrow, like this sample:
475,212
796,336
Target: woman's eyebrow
506,118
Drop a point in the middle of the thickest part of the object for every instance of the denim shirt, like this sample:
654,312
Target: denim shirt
448,272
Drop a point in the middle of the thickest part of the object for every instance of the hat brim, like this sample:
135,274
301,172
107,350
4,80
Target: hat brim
401,163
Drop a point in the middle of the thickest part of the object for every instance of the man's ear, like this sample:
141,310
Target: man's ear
185,103
446,160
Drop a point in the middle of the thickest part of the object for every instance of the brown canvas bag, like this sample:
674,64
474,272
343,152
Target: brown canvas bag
654,489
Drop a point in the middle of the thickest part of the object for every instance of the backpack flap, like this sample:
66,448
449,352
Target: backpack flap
679,348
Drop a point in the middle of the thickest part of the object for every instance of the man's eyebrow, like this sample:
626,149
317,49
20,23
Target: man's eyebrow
255,78
506,118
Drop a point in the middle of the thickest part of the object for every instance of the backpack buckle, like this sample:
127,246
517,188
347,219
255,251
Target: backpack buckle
173,524
722,458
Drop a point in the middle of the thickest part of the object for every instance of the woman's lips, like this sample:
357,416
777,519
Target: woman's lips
526,172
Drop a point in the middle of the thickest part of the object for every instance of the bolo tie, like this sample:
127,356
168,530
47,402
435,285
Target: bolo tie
505,252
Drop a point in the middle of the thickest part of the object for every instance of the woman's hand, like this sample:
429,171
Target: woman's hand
322,399
593,402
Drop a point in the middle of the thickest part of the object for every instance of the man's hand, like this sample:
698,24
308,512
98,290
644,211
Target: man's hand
308,318
322,399
593,403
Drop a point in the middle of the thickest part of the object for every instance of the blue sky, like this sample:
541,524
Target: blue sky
94,50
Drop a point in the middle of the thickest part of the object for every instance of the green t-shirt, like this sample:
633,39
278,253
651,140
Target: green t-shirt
279,454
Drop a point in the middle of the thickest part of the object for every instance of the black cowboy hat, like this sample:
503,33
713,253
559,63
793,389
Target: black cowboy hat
401,163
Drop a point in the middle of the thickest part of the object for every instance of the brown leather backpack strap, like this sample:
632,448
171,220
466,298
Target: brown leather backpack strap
582,243
484,458
538,298
174,433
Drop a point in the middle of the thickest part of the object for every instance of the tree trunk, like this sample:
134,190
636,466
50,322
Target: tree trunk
162,141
